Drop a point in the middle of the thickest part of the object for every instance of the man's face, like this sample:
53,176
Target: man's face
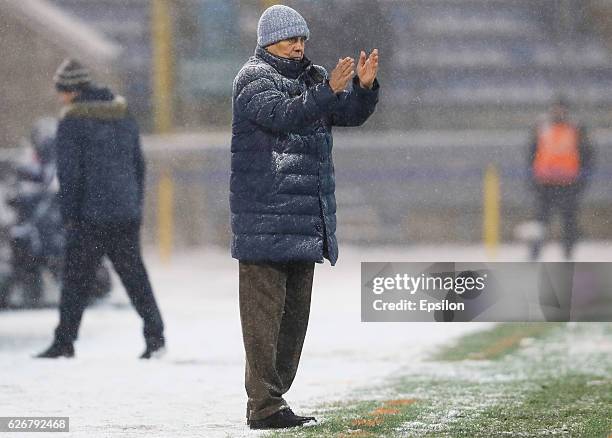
66,97
559,113
292,48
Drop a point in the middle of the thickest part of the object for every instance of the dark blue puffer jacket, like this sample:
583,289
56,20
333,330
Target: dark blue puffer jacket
100,163
282,182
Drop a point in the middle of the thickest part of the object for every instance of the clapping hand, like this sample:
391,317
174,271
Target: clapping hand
367,69
342,74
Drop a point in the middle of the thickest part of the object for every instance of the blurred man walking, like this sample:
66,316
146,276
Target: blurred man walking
101,175
560,163
282,196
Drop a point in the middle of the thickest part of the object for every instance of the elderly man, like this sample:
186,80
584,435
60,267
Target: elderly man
282,196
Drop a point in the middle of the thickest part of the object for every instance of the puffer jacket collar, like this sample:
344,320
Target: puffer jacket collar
96,103
286,67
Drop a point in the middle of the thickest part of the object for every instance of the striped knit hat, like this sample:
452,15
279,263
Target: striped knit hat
71,76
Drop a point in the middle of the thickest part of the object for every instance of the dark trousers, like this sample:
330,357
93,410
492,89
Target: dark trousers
274,312
565,200
86,244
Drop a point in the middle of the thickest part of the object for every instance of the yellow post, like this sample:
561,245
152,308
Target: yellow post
162,74
265,4
165,216
491,210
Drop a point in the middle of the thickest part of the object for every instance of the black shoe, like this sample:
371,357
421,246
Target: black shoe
303,419
155,349
57,349
282,419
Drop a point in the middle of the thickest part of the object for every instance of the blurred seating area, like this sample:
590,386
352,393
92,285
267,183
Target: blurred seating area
498,63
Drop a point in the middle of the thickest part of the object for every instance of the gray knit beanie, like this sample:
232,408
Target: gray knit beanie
279,23
71,76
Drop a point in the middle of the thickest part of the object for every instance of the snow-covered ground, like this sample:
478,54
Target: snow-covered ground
197,388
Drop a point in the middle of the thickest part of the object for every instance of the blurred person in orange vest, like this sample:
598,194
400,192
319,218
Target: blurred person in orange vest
560,163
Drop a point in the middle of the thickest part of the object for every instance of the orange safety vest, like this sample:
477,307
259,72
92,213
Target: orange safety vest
557,159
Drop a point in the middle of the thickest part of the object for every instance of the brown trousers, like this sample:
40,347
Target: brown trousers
274,311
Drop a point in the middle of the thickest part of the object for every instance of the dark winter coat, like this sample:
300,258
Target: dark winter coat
100,163
282,181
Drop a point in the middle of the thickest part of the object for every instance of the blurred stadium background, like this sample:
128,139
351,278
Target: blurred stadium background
463,81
